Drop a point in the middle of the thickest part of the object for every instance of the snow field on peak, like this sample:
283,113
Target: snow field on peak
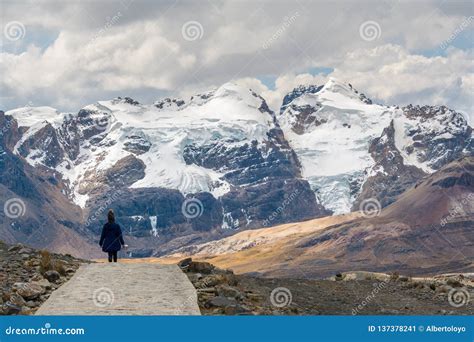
336,151
229,115
33,116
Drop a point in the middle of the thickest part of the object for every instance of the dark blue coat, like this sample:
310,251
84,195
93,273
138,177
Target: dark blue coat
111,239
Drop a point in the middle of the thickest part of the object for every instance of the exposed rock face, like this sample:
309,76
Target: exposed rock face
297,92
169,103
44,145
438,135
389,176
351,149
422,139
269,203
137,143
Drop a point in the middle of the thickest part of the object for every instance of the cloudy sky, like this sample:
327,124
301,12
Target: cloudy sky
67,54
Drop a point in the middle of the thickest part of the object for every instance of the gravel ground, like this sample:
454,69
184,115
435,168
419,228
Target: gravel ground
221,292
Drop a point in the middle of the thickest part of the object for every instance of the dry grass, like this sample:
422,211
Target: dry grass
48,264
45,262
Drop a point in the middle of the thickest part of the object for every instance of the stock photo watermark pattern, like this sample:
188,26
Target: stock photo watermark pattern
46,330
370,207
278,211
287,22
281,297
378,287
251,174
103,297
192,208
370,30
459,297
458,209
14,31
14,208
192,30
461,28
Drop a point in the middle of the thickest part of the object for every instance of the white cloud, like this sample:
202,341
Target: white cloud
391,74
74,53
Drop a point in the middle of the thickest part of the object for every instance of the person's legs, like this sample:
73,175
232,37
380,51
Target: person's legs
110,256
115,256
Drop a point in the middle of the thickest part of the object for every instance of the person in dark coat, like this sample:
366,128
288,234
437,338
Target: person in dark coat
111,239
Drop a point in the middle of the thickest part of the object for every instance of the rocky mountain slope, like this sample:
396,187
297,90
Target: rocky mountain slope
426,231
351,149
183,172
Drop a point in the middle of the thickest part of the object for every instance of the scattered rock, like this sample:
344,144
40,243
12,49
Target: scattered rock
43,283
11,309
22,285
228,291
29,290
390,311
52,276
17,300
210,280
184,264
453,282
15,248
25,250
221,301
200,267
443,289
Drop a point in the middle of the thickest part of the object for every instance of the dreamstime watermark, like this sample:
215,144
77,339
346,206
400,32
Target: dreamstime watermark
281,297
188,303
109,23
370,207
95,216
281,208
14,208
192,208
192,30
287,22
464,24
377,288
370,30
103,297
46,330
458,297
14,30
457,210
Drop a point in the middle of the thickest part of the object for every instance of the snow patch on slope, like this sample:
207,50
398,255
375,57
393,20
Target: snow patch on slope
335,149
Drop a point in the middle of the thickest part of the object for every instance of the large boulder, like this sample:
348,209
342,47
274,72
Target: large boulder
28,290
52,276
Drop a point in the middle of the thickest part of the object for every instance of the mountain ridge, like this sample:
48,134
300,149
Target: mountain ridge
325,151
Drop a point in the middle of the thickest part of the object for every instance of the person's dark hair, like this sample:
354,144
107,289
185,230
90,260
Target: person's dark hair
111,216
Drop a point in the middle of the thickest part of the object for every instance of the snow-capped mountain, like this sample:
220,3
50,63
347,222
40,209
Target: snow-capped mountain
239,164
331,129
223,147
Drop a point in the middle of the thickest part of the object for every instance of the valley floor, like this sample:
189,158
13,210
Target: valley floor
360,293
325,297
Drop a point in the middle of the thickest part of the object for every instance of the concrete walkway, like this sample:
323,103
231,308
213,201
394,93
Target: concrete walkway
124,289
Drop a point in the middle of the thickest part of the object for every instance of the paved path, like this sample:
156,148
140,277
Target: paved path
124,289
